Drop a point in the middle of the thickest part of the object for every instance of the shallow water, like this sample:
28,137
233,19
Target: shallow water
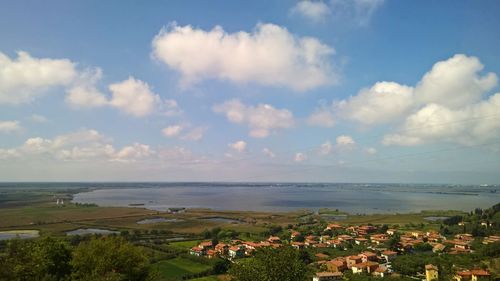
352,198
85,231
157,220
6,235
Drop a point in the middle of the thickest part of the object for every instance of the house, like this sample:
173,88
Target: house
222,249
381,271
391,231
327,276
274,239
352,260
431,272
197,251
360,240
295,234
417,234
297,245
368,267
334,243
388,255
368,256
472,275
345,238
322,256
336,265
491,239
206,245
438,247
236,251
333,226
211,254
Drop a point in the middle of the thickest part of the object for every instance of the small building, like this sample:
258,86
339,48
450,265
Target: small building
327,276
352,260
197,251
388,255
368,267
236,252
472,275
431,272
336,265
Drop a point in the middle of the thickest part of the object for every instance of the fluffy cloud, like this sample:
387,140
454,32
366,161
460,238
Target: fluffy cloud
344,140
316,11
469,125
25,78
262,119
455,82
133,153
239,146
383,102
300,157
84,92
269,55
134,97
195,134
10,126
172,131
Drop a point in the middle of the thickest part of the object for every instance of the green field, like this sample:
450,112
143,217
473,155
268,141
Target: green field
178,267
208,278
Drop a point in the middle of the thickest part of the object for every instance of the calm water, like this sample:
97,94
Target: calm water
157,220
21,234
352,198
85,231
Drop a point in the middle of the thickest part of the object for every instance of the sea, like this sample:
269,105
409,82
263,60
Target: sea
354,198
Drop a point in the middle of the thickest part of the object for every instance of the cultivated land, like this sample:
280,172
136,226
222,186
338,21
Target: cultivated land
169,244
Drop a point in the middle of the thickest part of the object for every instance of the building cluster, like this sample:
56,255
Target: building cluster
375,264
234,249
432,273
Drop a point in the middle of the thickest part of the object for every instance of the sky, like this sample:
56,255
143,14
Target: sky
306,91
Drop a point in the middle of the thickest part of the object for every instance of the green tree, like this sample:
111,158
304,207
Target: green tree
282,264
109,258
42,259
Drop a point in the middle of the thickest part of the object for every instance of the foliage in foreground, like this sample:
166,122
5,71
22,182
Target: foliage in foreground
49,259
282,264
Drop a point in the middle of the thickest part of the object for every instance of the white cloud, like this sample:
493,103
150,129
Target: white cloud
315,11
239,146
133,153
270,55
25,78
383,102
473,124
345,140
322,117
134,97
195,134
300,157
169,107
172,131
262,119
455,82
84,92
326,148
10,126
269,153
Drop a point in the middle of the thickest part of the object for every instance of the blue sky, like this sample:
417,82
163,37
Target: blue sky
342,91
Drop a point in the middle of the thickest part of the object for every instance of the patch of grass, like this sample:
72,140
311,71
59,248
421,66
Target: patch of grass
184,245
178,267
207,278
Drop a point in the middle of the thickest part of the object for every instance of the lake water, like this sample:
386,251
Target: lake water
157,220
352,198
85,231
22,234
